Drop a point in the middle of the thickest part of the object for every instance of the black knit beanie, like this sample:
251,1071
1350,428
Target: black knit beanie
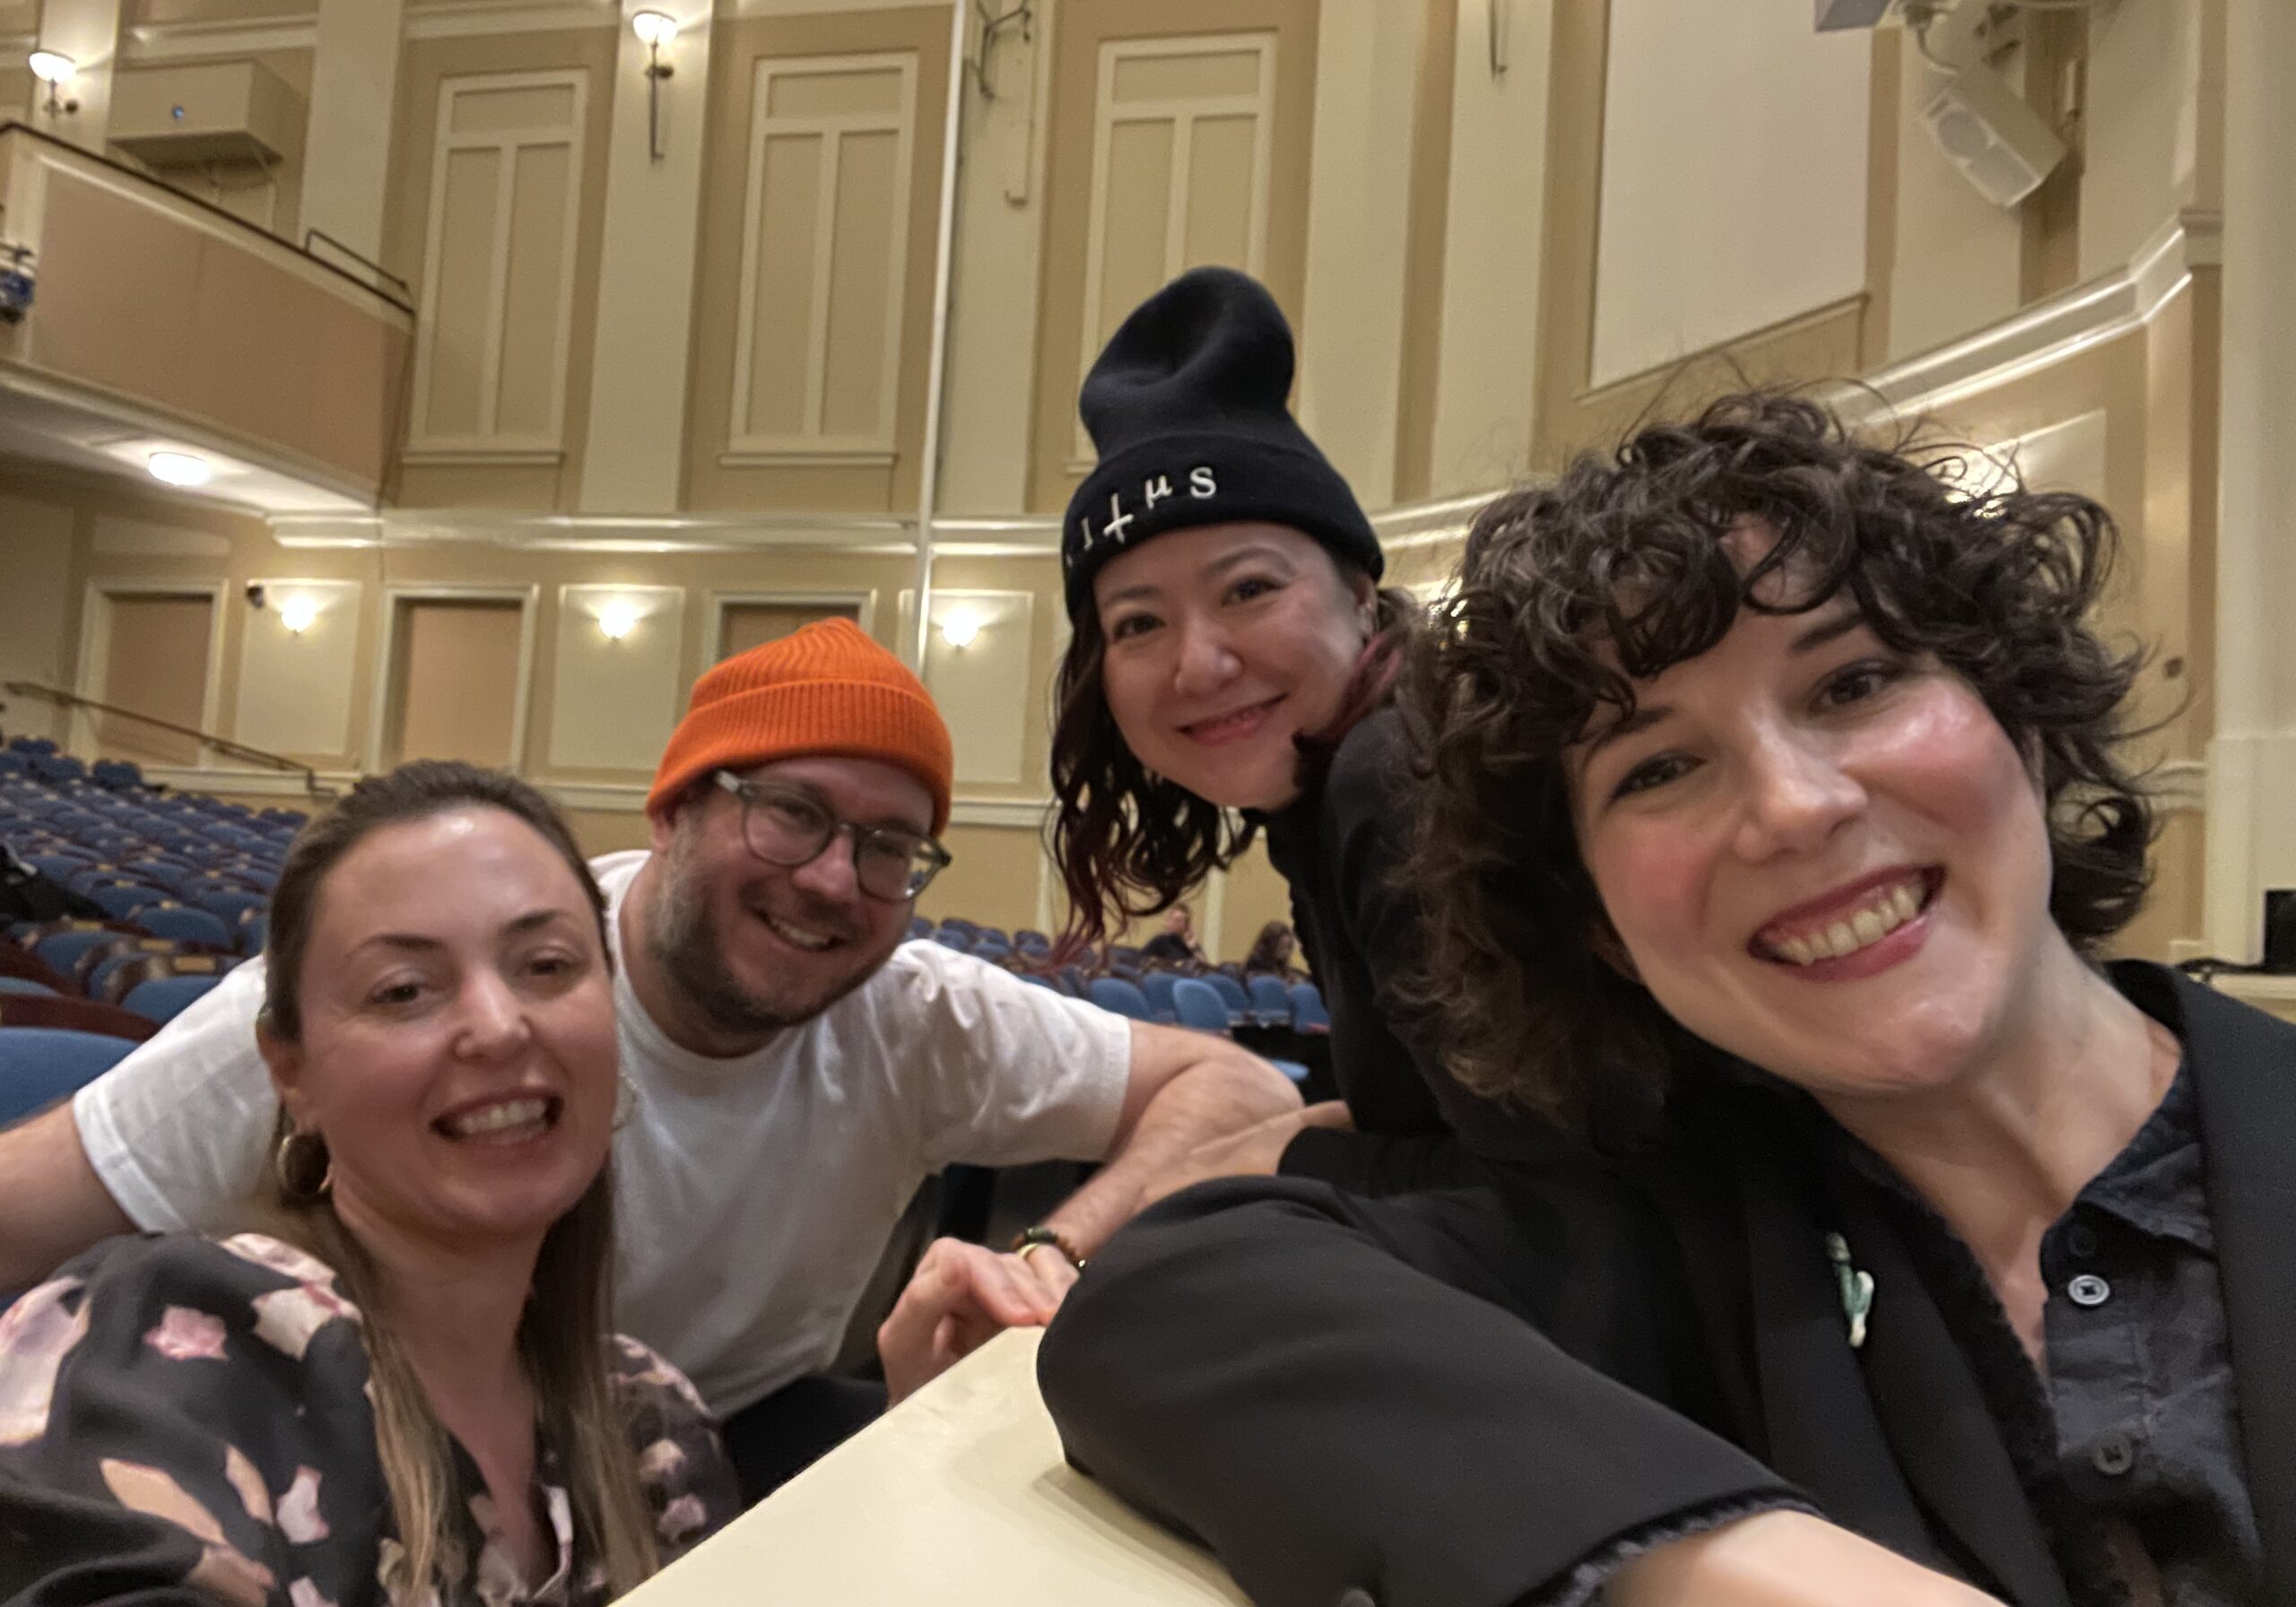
1187,406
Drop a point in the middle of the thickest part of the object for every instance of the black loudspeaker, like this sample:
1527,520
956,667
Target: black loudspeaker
2280,931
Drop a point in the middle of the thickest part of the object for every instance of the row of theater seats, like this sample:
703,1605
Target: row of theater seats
183,883
1218,999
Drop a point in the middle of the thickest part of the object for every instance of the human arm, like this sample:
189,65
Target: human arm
52,1203
1334,1393
1182,1091
1782,1558
1415,1127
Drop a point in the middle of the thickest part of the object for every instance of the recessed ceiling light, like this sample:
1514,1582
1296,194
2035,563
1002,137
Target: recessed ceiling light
179,468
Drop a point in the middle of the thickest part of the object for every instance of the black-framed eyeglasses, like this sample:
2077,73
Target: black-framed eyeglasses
788,827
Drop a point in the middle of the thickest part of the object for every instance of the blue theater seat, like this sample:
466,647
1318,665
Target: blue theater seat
164,998
40,1066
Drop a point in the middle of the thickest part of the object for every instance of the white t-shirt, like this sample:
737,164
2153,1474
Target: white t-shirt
753,1196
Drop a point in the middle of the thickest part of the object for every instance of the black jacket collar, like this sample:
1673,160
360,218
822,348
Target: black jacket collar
1878,1437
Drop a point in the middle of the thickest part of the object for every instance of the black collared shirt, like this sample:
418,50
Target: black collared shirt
2130,1449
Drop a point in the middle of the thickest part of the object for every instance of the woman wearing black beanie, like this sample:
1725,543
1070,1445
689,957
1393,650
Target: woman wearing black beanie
1230,673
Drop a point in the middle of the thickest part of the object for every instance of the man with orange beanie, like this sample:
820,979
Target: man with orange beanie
794,1069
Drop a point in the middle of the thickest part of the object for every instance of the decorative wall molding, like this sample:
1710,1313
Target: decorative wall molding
2048,332
462,19
813,442
488,442
148,44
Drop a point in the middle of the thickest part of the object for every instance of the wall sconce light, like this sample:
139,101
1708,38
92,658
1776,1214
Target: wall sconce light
617,619
653,30
960,629
53,69
297,615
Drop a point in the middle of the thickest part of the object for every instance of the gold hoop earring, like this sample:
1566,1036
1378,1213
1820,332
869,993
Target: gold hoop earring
306,1171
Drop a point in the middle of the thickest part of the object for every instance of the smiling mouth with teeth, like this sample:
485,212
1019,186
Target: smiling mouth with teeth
1884,911
799,937
506,1121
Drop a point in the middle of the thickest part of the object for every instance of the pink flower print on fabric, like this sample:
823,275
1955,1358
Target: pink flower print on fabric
35,1337
298,1510
232,1578
284,1259
249,1482
156,1493
183,1334
641,1364
658,1461
221,1571
680,1518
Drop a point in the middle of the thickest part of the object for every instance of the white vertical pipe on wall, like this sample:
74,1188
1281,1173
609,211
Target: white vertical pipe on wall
2252,758
347,147
928,479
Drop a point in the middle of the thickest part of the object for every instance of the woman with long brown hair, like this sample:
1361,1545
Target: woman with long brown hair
1230,674
400,1384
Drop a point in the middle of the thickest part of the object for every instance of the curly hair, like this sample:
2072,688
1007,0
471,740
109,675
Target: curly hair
1571,592
1128,842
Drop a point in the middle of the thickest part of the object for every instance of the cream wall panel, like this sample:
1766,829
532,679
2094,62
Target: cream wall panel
993,325
1359,209
1958,255
36,542
1721,223
2141,138
1158,206
643,332
984,687
497,282
824,233
1493,249
296,689
355,82
614,702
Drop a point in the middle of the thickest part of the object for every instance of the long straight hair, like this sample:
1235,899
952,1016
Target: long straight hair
562,1334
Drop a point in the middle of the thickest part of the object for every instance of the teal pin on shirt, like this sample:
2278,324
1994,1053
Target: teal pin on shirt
1857,1289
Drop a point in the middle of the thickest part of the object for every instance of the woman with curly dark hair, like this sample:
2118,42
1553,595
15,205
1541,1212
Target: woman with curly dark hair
1952,1265
1231,673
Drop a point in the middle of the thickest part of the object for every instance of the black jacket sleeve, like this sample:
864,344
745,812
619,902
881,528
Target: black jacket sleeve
1419,1129
1340,1394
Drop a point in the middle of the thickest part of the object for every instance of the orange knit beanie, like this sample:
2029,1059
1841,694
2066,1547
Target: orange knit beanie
826,689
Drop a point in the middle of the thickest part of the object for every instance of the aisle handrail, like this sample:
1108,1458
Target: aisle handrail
220,744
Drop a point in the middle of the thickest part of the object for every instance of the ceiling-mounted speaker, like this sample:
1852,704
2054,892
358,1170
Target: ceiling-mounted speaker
2001,144
1837,15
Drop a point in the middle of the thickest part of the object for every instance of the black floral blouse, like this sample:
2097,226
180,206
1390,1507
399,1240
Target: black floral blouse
185,1421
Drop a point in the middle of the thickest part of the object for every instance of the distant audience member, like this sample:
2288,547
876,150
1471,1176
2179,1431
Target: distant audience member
1230,674
1176,944
404,1383
1271,952
795,1070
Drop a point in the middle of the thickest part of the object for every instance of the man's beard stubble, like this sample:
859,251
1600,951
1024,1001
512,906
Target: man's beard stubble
693,962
